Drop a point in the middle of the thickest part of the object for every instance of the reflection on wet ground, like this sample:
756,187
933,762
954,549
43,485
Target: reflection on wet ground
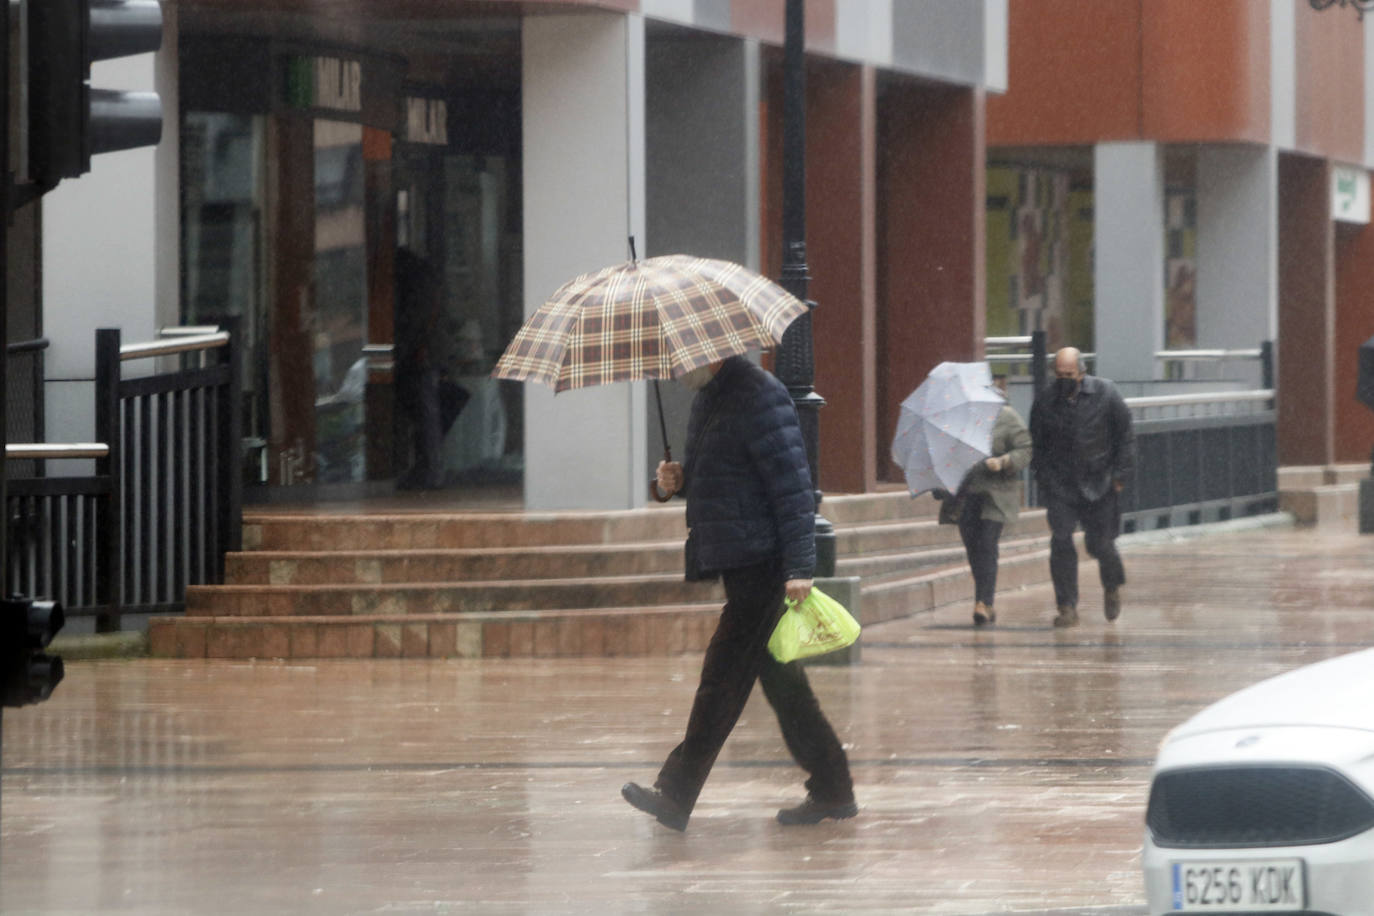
998,772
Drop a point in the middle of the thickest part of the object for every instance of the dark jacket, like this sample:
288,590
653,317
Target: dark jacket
745,476
1081,447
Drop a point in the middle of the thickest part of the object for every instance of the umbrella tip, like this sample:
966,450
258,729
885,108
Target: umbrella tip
633,256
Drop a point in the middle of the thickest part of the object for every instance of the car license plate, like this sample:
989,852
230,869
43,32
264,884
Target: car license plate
1265,886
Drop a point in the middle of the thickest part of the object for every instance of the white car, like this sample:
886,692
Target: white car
1264,801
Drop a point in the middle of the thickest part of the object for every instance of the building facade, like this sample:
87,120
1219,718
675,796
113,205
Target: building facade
1177,175
512,146
1149,178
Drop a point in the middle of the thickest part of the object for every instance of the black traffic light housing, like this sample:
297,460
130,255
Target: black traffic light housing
1364,380
68,120
27,674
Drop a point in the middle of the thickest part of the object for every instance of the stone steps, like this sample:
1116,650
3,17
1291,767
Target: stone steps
445,597
371,567
889,544
904,596
598,632
536,584
457,530
1326,497
900,564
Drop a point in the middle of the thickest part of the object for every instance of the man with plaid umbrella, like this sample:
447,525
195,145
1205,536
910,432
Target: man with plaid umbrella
751,515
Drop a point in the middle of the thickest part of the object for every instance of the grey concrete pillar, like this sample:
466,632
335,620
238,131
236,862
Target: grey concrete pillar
1128,278
582,99
1237,250
702,155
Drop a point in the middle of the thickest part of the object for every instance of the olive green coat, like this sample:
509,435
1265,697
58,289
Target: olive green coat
1002,488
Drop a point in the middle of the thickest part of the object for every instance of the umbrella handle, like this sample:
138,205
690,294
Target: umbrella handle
653,481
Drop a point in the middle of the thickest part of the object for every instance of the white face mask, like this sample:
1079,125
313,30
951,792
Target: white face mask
697,378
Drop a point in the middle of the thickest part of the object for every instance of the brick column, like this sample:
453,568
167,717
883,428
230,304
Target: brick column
931,240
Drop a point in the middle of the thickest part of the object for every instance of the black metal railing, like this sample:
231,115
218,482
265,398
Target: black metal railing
1201,458
162,504
24,403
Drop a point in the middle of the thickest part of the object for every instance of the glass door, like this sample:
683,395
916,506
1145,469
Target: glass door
340,299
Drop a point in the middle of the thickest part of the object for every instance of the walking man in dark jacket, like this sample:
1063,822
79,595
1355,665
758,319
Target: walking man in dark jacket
1083,449
751,519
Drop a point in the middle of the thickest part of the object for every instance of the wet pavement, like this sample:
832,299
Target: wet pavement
998,772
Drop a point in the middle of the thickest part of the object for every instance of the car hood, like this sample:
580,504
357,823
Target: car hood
1351,751
1333,694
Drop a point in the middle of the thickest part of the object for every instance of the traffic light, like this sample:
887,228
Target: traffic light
27,675
68,120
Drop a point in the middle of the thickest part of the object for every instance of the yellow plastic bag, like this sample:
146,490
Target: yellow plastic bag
818,625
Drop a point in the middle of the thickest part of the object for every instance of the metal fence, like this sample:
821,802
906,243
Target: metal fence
1199,457
162,504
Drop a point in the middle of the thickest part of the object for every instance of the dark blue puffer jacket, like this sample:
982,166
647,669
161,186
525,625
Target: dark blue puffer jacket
748,488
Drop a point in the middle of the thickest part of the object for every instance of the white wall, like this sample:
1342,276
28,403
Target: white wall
1128,274
943,39
99,262
863,31
1282,75
702,154
1237,257
995,30
583,110
167,193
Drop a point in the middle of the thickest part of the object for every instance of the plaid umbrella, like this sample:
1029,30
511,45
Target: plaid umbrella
653,319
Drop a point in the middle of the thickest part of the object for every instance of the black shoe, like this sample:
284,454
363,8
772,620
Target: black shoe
652,801
813,812
1111,603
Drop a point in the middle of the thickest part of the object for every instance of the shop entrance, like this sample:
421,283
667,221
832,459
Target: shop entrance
357,251
457,220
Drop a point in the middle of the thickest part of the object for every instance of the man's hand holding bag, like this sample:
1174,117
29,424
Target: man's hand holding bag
816,626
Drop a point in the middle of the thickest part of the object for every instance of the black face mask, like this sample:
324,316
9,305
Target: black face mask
1066,387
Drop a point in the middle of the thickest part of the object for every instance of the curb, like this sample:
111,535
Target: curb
1189,532
92,646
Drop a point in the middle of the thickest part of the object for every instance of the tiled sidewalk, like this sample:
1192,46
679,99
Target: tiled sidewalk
998,772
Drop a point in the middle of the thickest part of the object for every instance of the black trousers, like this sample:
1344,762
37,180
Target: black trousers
736,657
981,538
1101,522
417,393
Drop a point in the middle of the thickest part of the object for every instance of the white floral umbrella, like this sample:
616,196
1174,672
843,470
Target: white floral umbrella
945,426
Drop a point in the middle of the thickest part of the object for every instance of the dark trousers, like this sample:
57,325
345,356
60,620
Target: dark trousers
418,395
981,538
1101,522
738,654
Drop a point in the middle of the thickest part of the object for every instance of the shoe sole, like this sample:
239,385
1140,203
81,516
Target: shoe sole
642,800
837,814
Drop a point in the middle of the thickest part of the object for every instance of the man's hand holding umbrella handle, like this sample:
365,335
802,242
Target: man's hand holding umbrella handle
798,589
667,480
995,463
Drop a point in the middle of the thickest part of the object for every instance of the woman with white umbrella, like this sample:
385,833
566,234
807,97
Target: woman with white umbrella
989,498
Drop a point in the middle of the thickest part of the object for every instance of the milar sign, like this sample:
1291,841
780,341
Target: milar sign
330,83
426,121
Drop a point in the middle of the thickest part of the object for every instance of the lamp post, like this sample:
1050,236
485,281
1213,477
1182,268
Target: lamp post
795,365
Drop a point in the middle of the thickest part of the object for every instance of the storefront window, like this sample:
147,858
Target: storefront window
222,264
455,210
340,279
